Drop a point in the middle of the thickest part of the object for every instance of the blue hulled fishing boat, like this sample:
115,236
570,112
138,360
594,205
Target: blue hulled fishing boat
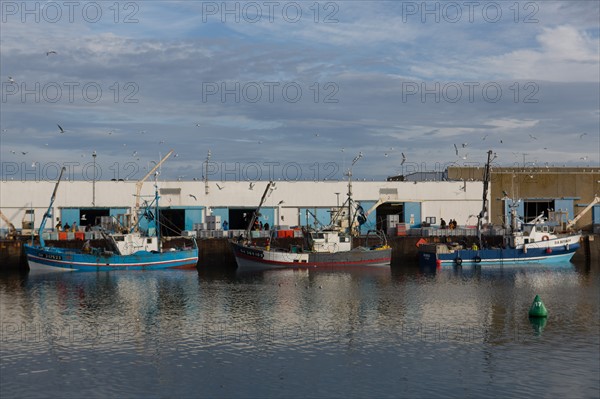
120,251
535,242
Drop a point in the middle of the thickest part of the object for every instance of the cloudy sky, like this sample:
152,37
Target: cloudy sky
296,89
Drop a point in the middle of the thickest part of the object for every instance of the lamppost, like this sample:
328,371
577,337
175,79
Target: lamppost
206,173
94,180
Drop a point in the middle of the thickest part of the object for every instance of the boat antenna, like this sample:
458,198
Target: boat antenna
49,211
486,182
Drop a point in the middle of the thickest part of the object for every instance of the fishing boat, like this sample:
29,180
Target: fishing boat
331,246
534,242
326,248
122,251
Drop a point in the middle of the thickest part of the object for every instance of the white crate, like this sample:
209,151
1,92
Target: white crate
189,233
235,233
214,226
392,219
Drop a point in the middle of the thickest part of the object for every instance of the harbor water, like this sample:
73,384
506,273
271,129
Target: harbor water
385,332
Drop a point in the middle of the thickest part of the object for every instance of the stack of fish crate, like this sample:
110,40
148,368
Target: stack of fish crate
212,228
392,221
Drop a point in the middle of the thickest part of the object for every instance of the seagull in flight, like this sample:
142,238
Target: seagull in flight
219,187
25,153
50,52
251,186
456,149
582,134
11,80
60,127
533,137
403,159
193,196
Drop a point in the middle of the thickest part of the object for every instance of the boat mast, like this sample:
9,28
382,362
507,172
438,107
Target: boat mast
350,217
350,201
156,215
47,214
255,213
134,226
484,210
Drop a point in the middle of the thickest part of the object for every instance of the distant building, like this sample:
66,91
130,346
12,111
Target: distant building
421,176
554,191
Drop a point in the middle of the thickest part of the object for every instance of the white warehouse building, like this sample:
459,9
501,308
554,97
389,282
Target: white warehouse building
185,203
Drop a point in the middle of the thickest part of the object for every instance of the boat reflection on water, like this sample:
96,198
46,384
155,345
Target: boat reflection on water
498,270
271,331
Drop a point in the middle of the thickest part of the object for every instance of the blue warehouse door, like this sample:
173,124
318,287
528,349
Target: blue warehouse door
69,215
412,214
193,216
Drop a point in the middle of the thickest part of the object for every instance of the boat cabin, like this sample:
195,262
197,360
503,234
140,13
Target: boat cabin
329,241
531,233
134,242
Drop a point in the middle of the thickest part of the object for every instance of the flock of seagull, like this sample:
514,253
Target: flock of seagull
460,152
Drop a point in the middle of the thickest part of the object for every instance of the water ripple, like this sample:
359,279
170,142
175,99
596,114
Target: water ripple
301,333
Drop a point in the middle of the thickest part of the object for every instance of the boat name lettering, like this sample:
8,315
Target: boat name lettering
52,256
251,252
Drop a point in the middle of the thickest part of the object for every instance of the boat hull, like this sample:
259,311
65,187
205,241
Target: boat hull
260,258
59,259
548,252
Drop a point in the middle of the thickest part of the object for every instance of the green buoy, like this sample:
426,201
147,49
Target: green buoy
537,308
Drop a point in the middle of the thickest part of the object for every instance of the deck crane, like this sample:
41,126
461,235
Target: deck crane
583,212
138,190
12,231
